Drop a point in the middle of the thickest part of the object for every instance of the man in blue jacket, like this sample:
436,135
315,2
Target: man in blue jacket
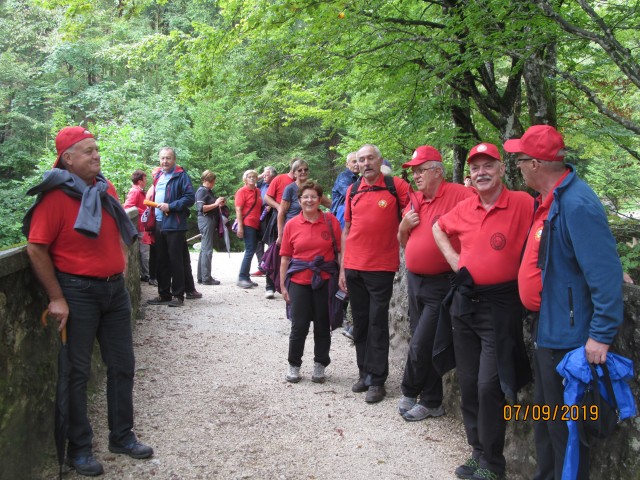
174,195
570,278
339,192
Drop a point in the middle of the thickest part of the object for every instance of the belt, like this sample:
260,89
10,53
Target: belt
111,278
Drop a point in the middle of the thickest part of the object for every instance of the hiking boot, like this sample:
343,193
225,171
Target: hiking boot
159,300
293,376
86,465
269,294
420,412
406,404
484,474
193,295
176,302
359,386
375,394
318,373
213,281
245,284
468,468
253,283
134,449
153,282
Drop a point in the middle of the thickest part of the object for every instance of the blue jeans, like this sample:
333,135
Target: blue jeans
102,310
250,241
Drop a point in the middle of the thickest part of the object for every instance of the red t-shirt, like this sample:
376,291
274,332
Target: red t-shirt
305,240
529,275
372,244
491,241
135,198
422,255
247,198
277,186
72,252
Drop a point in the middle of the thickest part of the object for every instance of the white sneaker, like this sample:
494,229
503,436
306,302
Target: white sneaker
293,375
318,373
269,294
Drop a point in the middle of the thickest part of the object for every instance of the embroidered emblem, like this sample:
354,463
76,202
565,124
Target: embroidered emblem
498,241
538,234
482,148
382,204
325,235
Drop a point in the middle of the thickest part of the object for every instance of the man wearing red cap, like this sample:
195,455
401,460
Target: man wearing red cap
370,259
570,279
428,279
484,318
75,231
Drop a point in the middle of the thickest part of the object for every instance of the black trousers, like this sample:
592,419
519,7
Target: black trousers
369,295
482,400
425,296
309,305
171,254
551,437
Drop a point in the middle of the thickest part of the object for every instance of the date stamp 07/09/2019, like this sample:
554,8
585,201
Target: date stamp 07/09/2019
546,413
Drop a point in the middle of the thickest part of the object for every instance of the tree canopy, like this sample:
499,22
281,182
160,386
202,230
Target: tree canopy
237,84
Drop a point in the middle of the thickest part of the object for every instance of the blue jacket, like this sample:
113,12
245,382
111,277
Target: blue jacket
581,272
577,374
180,197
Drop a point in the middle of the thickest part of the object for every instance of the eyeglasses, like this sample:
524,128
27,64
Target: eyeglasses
421,171
309,197
523,159
302,170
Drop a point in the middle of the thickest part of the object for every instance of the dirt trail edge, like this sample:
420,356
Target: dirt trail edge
211,398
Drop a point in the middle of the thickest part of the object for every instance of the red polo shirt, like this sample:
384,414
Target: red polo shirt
422,255
529,275
277,186
305,240
491,241
72,252
372,244
248,198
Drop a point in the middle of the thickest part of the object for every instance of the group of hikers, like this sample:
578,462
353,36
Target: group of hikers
479,259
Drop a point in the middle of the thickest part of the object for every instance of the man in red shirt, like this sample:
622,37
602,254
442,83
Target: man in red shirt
371,258
485,310
135,198
428,279
74,244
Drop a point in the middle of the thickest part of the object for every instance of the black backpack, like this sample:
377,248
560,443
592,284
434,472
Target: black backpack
389,185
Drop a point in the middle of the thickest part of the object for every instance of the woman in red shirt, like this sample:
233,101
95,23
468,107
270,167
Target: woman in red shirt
248,204
309,252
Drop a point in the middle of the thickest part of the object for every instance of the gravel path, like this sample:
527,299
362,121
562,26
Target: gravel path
211,398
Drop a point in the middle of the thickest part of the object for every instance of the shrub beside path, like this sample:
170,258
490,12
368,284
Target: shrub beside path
211,398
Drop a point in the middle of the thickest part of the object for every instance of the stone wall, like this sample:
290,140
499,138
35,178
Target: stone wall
617,457
28,365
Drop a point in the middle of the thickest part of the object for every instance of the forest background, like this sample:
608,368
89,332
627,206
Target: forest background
238,84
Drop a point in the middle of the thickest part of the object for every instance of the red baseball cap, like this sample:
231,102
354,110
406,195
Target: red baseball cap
425,153
488,149
542,142
68,137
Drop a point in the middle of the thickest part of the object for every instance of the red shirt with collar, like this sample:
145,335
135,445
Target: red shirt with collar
422,255
277,186
372,244
249,199
71,252
529,275
305,240
491,241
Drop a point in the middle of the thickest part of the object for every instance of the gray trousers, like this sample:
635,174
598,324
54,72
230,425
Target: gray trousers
207,227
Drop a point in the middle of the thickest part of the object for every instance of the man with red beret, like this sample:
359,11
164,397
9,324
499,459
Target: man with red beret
75,234
570,279
484,307
428,279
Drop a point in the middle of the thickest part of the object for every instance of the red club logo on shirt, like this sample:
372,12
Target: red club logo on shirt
325,235
498,241
382,204
538,234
